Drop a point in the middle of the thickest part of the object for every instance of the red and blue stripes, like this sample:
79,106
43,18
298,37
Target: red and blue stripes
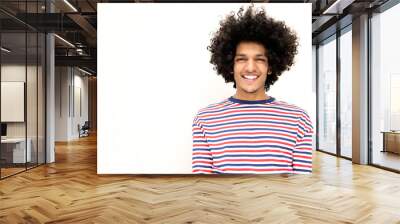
240,136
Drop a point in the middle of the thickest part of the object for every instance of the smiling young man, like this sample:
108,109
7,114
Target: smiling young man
252,132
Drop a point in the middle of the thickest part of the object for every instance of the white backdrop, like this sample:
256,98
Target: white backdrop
154,75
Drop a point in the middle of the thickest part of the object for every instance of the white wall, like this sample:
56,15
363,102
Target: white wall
61,103
155,76
80,102
16,72
69,84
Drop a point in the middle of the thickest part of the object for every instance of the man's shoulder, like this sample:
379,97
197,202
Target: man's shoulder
214,107
290,107
304,118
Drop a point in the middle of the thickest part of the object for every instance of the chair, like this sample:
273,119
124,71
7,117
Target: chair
84,130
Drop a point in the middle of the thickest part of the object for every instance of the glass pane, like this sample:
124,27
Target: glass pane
13,86
346,94
31,84
32,95
385,89
327,96
22,78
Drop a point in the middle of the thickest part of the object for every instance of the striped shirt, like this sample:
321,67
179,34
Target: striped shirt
262,136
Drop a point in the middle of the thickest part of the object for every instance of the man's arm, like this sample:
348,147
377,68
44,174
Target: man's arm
302,153
201,155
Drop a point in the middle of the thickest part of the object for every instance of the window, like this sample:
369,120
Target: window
346,92
327,95
385,87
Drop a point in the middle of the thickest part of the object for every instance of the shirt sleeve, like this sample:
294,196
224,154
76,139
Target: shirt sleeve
302,153
201,155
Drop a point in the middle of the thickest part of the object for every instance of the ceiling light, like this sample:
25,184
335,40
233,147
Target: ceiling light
70,5
84,71
64,40
5,50
338,6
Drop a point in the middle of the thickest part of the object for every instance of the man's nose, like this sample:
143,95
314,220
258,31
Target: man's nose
251,65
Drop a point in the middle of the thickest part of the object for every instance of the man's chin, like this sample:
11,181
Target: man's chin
250,90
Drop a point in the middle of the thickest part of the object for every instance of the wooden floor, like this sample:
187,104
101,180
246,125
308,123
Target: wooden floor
70,191
5,172
8,171
387,159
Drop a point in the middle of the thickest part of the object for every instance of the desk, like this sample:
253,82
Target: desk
391,141
15,148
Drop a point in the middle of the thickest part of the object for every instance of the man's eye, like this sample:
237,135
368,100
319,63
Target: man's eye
240,59
261,59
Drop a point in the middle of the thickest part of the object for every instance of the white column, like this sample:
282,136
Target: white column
360,90
50,92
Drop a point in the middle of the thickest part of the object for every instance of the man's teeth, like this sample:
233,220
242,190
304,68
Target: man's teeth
250,77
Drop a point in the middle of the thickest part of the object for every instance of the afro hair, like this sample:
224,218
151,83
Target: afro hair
251,25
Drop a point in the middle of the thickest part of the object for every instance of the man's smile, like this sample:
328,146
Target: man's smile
250,77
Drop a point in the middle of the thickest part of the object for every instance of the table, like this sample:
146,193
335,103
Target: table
391,141
15,148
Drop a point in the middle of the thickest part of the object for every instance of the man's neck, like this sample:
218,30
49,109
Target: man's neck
250,96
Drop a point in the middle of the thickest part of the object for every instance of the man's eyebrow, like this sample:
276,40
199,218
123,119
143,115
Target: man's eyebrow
241,55
244,55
